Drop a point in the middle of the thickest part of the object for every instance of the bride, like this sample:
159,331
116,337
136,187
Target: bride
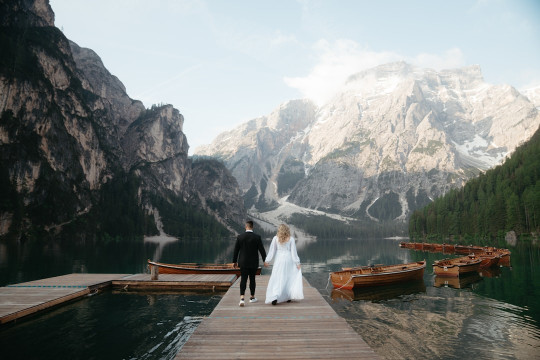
285,283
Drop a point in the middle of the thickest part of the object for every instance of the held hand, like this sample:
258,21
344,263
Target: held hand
298,266
265,264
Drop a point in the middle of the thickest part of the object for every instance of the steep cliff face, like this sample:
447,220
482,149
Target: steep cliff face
393,138
112,97
26,13
71,139
41,142
214,185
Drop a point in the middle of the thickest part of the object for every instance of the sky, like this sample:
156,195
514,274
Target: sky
225,62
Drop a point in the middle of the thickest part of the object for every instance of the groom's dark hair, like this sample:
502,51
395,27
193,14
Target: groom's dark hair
249,224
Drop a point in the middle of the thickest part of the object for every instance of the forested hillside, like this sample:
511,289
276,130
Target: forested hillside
502,199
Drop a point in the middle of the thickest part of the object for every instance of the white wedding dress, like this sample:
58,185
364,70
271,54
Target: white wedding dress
286,280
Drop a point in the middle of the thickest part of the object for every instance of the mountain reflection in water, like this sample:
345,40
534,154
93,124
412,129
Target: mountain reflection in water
442,324
459,282
492,315
379,293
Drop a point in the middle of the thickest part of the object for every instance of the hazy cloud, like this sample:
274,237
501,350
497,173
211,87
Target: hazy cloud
336,61
451,59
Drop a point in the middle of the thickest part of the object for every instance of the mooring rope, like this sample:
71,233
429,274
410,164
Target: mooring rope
328,282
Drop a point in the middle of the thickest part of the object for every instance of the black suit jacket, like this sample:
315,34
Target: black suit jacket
246,250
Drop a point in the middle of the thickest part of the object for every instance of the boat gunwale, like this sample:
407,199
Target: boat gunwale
197,268
458,247
351,270
471,262
391,273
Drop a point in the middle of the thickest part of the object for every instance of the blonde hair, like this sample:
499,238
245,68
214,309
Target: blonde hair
283,233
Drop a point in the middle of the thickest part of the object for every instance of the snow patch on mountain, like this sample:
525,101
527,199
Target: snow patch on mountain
394,137
474,153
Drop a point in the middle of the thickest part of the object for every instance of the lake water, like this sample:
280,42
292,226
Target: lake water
493,316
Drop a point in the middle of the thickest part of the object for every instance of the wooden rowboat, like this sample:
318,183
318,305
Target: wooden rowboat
414,245
505,259
427,246
448,248
406,245
457,266
437,247
463,249
473,249
194,268
349,278
489,259
503,253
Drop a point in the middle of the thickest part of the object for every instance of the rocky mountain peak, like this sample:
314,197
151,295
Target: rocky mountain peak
275,129
394,137
383,79
75,149
471,74
533,94
109,89
26,13
95,73
291,116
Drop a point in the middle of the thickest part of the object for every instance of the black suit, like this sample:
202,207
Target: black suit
246,254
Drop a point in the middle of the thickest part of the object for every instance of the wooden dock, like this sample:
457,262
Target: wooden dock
213,282
20,300
307,329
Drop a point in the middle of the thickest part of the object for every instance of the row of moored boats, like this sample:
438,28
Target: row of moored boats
476,258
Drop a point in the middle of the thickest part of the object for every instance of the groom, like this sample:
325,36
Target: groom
246,255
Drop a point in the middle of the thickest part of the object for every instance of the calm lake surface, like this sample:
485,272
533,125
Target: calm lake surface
493,316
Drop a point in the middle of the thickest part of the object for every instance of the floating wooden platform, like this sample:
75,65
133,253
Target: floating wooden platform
214,282
20,300
307,329
27,298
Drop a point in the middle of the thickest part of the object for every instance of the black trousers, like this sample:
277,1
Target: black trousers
244,274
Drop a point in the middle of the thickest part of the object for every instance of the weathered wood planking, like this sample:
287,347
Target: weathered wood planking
307,329
73,281
19,300
177,281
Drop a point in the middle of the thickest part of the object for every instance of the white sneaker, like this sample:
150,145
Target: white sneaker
242,303
254,300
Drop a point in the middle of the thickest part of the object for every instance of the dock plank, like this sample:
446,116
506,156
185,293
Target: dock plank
73,280
20,300
177,281
307,329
